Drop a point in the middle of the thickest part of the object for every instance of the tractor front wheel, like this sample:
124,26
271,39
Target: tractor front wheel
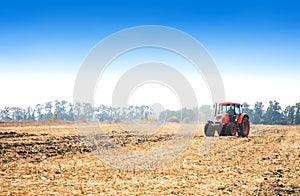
206,127
231,129
244,127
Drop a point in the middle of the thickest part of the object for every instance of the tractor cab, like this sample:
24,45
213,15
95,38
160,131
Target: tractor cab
228,110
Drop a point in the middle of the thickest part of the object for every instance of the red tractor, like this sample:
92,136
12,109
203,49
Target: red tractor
228,120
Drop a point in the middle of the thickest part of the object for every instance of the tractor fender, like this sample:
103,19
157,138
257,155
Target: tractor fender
241,116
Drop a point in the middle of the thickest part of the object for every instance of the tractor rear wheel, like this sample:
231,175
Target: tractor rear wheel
244,127
231,129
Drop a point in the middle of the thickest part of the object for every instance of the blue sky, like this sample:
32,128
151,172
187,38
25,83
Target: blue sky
254,43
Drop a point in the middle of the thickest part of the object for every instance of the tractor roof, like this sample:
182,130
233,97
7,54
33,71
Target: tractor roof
229,103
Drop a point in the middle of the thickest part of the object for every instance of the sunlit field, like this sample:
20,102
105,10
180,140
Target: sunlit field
50,158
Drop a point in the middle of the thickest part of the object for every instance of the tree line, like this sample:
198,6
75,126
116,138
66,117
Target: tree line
274,114
64,110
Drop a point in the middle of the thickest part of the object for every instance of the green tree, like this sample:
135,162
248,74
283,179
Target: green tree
205,113
30,112
88,111
4,114
18,113
188,115
38,110
297,114
167,114
246,109
48,108
258,113
70,112
60,108
143,112
289,114
273,114
268,116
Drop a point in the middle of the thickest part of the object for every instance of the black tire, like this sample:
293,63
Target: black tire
223,131
206,127
231,129
244,127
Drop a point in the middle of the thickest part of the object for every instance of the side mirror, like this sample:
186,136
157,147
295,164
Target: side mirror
214,106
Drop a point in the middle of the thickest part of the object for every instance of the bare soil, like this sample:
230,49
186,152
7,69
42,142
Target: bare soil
50,158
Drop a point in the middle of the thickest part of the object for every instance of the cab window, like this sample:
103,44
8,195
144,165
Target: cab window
237,110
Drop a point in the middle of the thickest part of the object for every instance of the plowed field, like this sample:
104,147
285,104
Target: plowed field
51,159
